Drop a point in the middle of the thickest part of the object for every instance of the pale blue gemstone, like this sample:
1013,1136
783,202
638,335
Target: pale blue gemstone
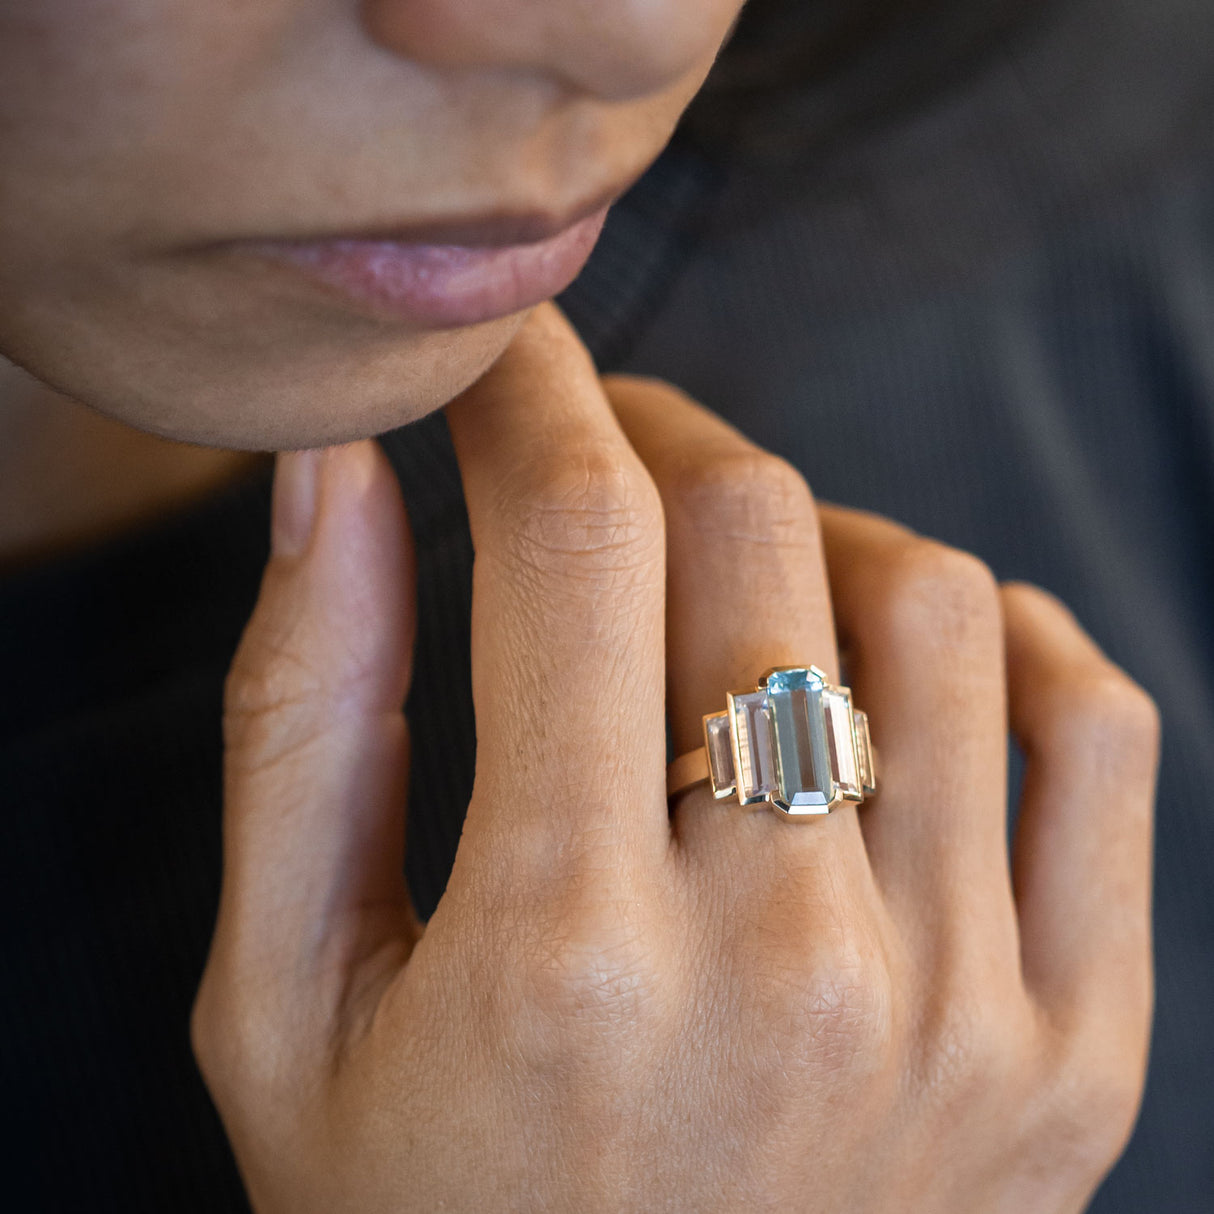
803,772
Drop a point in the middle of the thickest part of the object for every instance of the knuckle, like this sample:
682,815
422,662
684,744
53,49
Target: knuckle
1020,595
1101,712
1091,1111
848,1010
269,714
592,982
203,1036
825,1004
585,507
1108,703
937,593
747,494
276,691
972,1047
243,1045
594,974
215,1036
264,678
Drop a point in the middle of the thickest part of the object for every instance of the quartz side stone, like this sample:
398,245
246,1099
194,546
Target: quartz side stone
755,757
805,781
864,748
719,746
843,762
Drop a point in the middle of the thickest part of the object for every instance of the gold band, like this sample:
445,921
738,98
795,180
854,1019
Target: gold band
687,771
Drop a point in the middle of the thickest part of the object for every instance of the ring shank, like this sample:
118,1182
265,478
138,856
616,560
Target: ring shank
686,772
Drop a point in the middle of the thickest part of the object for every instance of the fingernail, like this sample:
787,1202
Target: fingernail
293,510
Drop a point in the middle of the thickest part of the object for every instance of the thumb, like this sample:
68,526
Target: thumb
316,750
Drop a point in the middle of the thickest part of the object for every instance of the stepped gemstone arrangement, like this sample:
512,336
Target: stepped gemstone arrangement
795,742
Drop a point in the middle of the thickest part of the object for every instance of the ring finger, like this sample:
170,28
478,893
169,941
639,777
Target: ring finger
746,591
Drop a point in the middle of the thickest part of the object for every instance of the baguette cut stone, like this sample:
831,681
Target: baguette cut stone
754,753
842,747
864,750
720,754
805,783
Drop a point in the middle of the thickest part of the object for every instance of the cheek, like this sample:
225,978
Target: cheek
103,101
99,77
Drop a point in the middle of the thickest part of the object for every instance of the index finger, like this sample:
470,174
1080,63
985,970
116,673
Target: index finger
567,604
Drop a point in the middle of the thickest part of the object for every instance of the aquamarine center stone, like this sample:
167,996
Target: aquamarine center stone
804,781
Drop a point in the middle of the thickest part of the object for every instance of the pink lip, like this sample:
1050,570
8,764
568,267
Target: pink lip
441,285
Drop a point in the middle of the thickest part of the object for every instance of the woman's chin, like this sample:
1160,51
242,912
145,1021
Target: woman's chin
246,393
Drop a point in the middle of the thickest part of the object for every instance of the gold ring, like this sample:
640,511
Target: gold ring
794,742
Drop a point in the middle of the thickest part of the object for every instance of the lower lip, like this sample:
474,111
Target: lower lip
441,286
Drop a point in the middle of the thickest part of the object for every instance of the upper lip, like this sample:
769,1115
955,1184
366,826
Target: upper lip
500,229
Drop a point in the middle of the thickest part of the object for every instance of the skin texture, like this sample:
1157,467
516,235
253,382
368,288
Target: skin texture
136,134
618,1005
621,1005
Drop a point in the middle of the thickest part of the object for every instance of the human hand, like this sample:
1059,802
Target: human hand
617,1006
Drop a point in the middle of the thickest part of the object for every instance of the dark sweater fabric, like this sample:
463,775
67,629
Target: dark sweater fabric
990,316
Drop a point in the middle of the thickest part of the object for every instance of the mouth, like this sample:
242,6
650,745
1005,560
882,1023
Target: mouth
437,286
443,274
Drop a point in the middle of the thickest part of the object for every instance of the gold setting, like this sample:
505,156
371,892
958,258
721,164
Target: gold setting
784,741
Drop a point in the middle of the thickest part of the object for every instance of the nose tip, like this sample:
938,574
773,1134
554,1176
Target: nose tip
612,49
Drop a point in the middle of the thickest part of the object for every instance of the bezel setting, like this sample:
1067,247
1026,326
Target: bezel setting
795,742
